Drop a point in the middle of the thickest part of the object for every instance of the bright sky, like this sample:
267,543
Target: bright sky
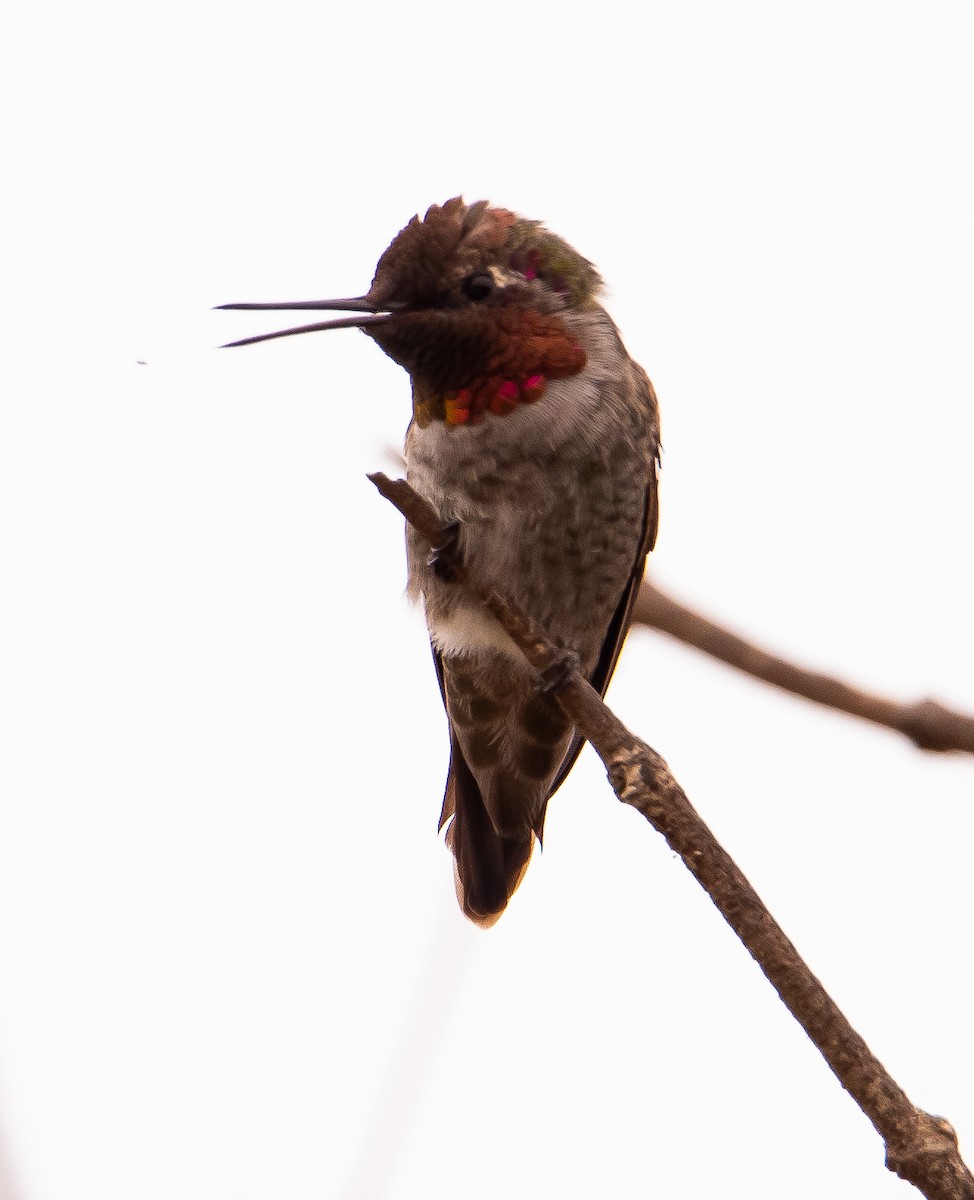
233,968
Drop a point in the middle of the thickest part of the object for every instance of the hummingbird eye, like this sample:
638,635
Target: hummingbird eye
478,287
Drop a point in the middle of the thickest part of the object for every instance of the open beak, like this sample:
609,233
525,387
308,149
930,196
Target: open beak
368,314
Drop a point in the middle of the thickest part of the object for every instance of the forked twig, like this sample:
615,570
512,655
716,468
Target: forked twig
927,723
920,1148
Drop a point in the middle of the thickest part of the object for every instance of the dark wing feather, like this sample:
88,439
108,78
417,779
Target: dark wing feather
488,865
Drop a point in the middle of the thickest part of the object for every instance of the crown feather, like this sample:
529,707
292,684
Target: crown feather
452,240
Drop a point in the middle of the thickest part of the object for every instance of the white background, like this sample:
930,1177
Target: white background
232,965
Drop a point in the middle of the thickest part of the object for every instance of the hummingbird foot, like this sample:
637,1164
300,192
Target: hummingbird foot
559,671
445,553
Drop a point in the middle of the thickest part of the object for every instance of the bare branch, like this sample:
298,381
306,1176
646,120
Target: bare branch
927,723
919,1147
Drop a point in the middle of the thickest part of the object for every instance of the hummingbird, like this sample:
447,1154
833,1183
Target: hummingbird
537,436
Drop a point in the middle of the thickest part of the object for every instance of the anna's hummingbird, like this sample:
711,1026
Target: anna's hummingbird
536,432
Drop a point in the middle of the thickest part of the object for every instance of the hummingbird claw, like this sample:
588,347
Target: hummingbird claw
445,555
559,671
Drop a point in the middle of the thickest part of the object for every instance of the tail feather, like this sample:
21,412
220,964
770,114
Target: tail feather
487,865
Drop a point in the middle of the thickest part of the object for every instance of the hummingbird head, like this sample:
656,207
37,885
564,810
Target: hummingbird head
479,305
